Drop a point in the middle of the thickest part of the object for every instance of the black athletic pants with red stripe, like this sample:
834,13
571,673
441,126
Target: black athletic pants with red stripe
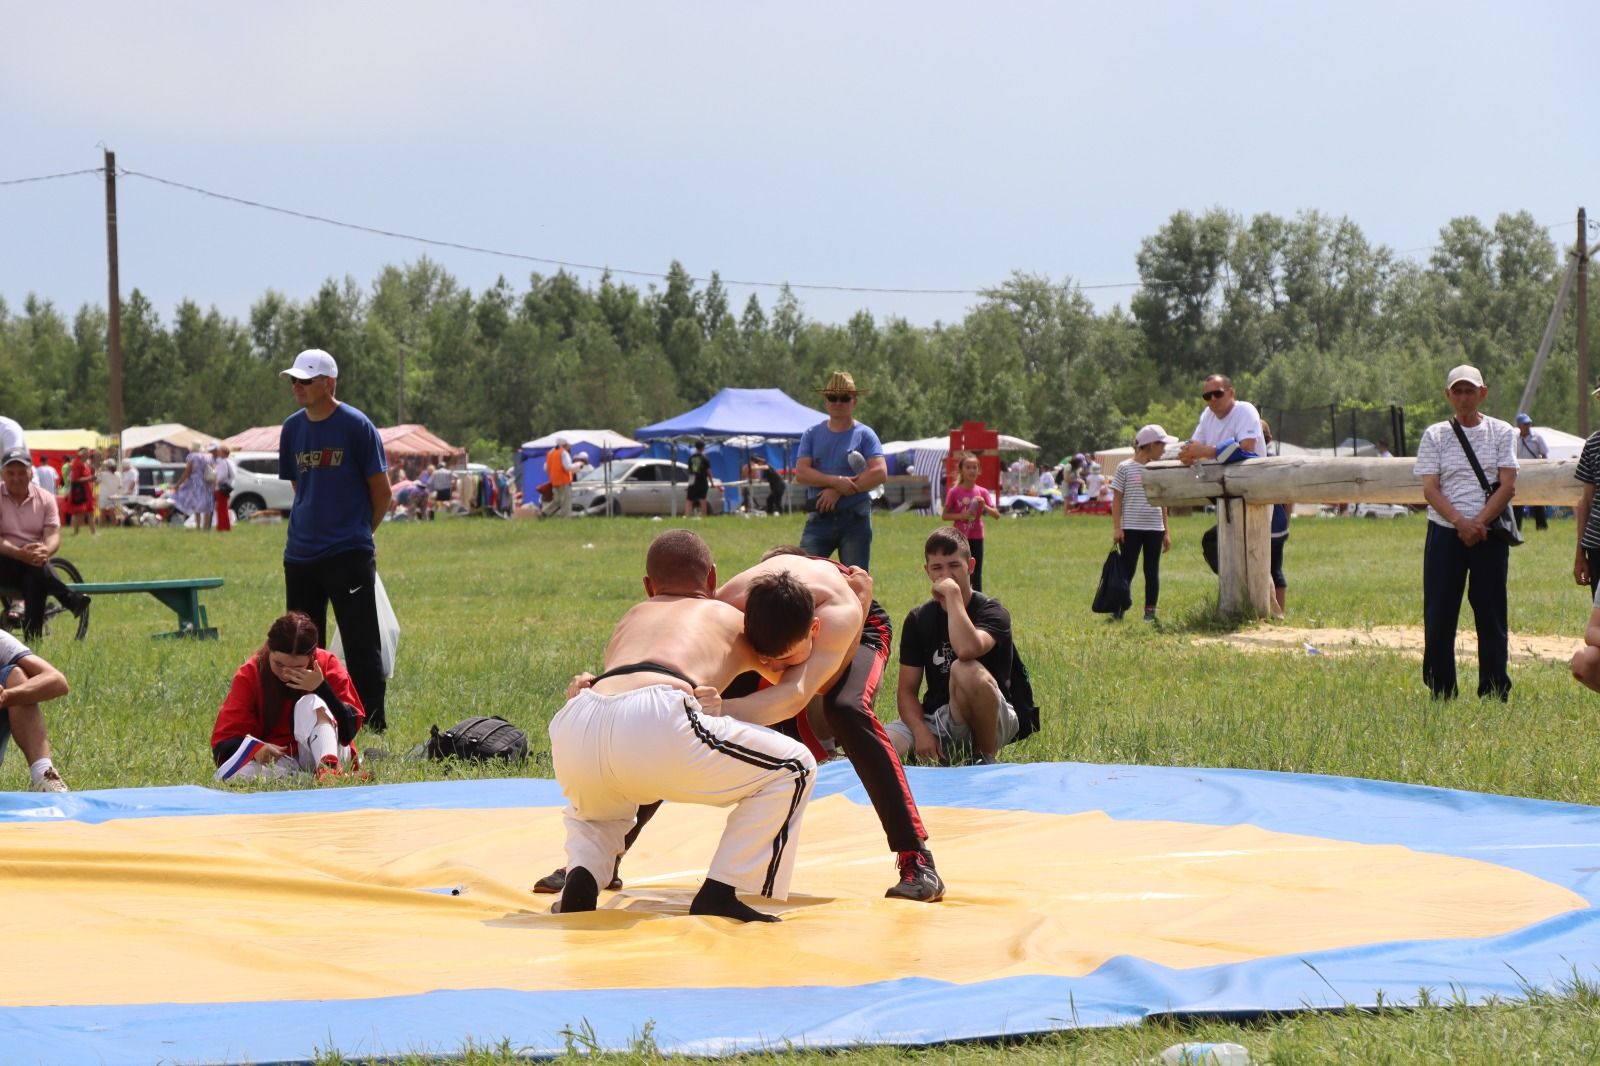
847,707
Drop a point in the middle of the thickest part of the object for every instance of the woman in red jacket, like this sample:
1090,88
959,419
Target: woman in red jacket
291,709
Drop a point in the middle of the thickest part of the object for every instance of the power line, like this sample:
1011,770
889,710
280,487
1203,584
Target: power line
651,274
567,264
52,177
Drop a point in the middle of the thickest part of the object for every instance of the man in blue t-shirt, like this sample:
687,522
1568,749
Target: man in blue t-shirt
840,462
334,456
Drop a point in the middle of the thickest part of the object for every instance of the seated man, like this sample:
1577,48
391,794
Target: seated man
652,727
960,642
30,533
28,681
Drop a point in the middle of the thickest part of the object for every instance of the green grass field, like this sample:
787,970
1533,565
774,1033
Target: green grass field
496,616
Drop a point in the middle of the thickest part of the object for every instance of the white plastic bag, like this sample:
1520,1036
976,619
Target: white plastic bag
388,630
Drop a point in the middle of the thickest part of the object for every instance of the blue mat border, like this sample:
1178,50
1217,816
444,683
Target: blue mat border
1555,841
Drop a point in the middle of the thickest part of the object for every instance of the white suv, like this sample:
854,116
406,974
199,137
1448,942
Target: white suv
257,486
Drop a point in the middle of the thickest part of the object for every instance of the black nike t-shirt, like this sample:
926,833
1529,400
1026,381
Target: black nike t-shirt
925,643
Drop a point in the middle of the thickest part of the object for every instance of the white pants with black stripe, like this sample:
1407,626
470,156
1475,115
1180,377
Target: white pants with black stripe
613,753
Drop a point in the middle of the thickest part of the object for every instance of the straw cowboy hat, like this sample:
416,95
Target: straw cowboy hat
842,382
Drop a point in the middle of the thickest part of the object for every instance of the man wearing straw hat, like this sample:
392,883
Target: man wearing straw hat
840,462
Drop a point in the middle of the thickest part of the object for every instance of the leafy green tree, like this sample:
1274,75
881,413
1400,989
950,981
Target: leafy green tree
1180,269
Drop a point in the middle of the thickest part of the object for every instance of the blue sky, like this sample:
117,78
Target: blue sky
892,145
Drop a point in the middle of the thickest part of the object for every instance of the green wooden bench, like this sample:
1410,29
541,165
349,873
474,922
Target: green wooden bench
182,595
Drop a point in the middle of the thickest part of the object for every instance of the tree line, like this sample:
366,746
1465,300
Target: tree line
1303,312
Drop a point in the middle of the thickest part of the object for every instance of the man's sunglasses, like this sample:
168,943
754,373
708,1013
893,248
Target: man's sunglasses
839,397
1212,395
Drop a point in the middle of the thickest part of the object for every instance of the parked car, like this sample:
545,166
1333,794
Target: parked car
157,479
639,487
257,486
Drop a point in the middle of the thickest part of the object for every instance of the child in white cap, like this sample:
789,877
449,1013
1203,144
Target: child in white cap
1135,525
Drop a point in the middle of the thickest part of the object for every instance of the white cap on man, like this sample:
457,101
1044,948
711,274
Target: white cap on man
312,363
1149,435
1465,373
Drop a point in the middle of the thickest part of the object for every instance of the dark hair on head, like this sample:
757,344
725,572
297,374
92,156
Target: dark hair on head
678,559
946,541
1266,432
292,634
1227,382
777,613
784,549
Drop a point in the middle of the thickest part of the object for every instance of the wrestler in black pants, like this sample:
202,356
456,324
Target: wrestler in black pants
347,581
847,708
37,583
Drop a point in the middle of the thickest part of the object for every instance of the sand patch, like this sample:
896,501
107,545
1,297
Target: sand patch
1407,640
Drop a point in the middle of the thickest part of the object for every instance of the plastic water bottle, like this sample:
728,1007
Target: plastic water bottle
1201,1054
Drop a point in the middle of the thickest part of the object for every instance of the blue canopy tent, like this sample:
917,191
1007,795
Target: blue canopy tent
746,422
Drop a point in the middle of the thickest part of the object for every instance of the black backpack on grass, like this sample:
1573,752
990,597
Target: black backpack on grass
478,738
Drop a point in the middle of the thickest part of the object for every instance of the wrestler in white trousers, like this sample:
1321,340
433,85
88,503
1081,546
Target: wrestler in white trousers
613,753
315,735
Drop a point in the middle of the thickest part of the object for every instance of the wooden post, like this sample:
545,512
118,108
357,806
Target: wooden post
1244,559
1245,492
1583,325
114,308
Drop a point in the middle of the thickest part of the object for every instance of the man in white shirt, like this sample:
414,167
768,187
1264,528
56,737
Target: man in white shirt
1459,545
45,476
1227,427
1229,430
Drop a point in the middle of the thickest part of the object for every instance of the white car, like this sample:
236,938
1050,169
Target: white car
257,486
639,487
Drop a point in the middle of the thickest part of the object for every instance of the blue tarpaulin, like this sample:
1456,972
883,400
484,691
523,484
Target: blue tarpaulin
766,415
739,413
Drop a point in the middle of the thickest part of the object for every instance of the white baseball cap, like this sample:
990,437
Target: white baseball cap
1149,435
313,363
1464,373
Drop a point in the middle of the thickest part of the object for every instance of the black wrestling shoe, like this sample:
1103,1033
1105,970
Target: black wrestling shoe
551,884
919,881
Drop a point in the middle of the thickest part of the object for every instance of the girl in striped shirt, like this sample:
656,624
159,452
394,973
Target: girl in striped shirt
1135,524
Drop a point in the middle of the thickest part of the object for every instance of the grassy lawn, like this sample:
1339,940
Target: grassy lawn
497,615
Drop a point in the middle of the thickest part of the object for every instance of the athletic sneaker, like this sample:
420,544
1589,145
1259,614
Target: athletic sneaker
328,773
50,782
551,884
919,881
1149,614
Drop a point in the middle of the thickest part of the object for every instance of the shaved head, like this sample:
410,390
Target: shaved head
678,559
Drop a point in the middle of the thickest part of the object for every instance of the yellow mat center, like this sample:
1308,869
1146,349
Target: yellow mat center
331,906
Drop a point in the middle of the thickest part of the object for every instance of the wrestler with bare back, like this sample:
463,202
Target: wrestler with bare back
652,727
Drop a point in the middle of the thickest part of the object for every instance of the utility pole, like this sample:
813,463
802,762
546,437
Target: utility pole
400,390
113,306
1583,325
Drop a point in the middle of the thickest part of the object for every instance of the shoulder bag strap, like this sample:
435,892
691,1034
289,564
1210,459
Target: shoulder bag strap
1472,457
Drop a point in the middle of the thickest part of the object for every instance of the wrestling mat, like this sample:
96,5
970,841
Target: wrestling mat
193,925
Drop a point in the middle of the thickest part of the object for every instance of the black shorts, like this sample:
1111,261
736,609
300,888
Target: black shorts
442,495
698,491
